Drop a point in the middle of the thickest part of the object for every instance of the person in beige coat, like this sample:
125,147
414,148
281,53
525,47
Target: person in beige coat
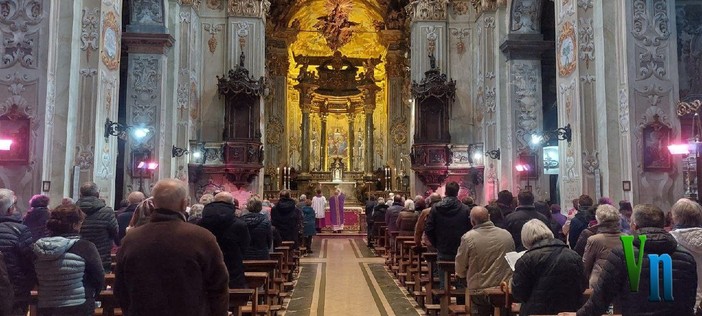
480,258
601,244
687,230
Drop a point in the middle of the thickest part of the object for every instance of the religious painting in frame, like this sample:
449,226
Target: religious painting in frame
656,138
17,129
110,41
566,52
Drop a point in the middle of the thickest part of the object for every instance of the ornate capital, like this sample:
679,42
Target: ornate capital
249,8
427,10
394,65
277,64
487,5
193,3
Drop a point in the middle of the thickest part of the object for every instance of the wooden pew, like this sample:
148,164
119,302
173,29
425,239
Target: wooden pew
445,294
430,285
269,267
255,280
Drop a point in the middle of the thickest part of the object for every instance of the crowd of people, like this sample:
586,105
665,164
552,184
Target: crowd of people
172,258
559,255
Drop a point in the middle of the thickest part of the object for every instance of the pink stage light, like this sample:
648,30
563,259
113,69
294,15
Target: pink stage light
679,149
147,165
5,144
521,167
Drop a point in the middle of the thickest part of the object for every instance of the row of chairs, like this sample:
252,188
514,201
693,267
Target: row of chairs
269,283
416,268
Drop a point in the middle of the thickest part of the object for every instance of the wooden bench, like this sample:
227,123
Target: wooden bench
256,280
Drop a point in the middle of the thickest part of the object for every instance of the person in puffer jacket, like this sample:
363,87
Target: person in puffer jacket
687,231
69,269
259,231
549,278
613,284
286,218
100,226
16,245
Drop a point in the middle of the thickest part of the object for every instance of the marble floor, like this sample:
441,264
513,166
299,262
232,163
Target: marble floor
342,277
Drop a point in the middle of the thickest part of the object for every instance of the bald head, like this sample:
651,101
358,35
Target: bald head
224,197
479,215
170,194
135,197
433,198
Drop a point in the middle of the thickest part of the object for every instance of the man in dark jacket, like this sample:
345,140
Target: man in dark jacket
613,284
16,245
522,214
504,202
370,205
37,216
100,226
259,230
169,266
232,235
448,221
581,221
125,216
287,218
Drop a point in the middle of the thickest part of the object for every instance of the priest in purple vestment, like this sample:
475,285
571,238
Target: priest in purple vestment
336,208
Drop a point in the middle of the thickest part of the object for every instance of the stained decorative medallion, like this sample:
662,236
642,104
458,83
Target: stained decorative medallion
336,26
110,41
567,53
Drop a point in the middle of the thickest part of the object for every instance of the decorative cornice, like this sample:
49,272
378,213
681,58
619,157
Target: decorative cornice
249,8
427,10
525,46
147,43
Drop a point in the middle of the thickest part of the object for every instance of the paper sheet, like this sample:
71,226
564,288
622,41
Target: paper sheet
512,258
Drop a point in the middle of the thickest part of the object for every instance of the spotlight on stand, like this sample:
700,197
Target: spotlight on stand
179,152
5,144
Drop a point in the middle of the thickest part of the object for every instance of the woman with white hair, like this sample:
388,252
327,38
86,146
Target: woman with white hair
600,245
687,230
549,277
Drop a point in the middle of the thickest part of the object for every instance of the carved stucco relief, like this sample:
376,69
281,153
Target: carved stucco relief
586,41
623,110
650,30
212,30
526,79
20,22
427,10
89,33
144,93
526,16
147,12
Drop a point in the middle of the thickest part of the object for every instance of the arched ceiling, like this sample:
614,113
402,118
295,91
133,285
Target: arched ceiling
364,41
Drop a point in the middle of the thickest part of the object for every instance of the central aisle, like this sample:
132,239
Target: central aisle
343,277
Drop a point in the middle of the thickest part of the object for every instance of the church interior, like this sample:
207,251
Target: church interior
560,98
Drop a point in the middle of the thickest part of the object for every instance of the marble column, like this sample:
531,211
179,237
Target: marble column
352,141
147,41
323,141
184,84
522,116
305,131
277,65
